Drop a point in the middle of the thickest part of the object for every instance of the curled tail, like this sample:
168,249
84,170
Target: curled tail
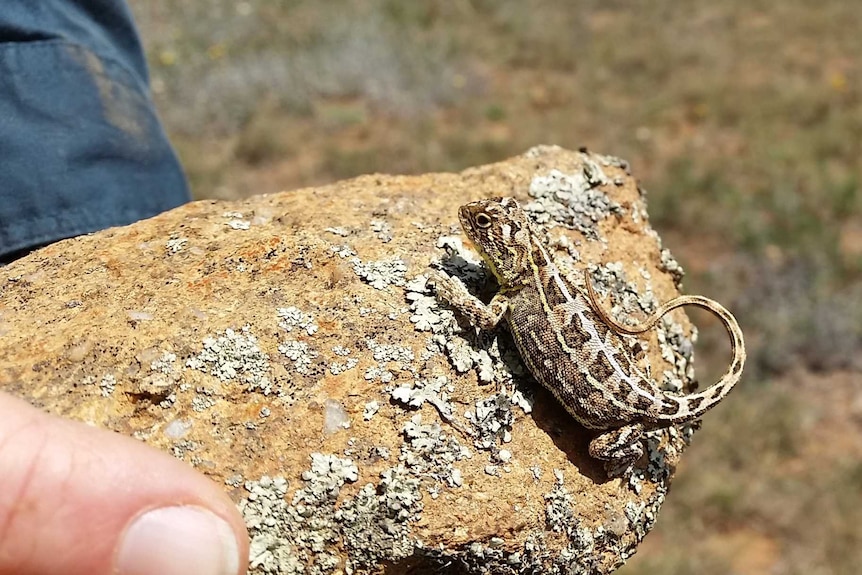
680,409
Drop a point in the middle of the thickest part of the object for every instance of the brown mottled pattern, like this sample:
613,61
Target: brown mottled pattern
640,402
570,344
570,327
670,407
602,369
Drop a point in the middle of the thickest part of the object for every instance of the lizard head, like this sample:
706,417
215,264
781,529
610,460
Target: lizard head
501,232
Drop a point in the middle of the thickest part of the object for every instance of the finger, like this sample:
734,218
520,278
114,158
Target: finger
79,500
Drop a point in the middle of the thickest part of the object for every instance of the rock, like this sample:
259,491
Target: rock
288,347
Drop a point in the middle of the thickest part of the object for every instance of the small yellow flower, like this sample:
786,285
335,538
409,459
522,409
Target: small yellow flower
167,57
838,81
217,51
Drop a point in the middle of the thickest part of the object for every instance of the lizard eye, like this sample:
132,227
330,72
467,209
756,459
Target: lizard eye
483,221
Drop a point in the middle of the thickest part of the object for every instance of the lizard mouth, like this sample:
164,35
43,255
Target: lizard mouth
471,239
472,244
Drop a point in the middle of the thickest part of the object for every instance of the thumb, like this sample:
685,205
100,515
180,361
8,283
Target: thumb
79,500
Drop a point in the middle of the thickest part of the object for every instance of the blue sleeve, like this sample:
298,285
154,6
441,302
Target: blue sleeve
81,147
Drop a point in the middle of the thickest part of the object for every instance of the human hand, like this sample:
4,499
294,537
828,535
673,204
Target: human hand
77,500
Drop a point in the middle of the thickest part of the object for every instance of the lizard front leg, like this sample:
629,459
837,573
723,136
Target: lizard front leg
453,292
618,448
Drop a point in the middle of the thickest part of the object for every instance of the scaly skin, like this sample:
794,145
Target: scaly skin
570,344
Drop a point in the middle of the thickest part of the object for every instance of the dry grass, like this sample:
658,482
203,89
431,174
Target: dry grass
775,486
742,119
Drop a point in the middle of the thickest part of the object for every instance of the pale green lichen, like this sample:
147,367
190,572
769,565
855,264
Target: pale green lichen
430,453
175,245
300,537
300,353
107,385
381,274
376,522
234,355
670,265
342,251
573,201
165,363
435,391
291,318
371,409
305,536
382,230
492,420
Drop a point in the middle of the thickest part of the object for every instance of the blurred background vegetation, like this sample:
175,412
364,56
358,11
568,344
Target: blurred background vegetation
742,119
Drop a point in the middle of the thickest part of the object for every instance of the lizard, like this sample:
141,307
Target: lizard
569,344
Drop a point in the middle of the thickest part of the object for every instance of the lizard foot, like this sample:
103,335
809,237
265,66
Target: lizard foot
618,448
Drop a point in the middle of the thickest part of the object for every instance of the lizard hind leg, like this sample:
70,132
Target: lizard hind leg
618,448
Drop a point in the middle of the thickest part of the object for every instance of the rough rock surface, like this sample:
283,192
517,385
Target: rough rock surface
288,347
